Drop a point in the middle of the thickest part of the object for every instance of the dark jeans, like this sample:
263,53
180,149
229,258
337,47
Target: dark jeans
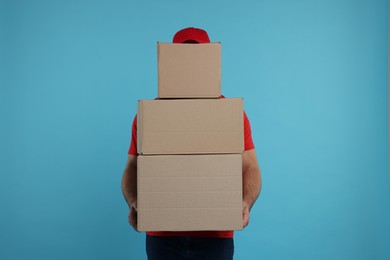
172,248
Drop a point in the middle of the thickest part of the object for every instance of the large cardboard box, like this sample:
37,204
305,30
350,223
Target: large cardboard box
189,70
191,126
189,192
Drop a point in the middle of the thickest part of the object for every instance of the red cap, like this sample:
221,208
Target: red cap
191,34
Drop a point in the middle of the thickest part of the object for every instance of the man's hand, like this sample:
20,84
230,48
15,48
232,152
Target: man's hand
245,214
129,188
251,179
133,216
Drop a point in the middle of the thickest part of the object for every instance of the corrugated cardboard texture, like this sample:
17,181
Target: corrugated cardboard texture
189,70
189,192
190,126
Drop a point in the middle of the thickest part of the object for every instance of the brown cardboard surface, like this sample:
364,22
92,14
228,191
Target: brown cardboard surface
190,126
189,192
189,70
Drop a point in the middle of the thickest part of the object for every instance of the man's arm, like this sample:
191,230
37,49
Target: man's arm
129,188
251,181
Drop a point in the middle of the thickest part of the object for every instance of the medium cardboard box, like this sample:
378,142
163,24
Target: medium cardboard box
190,126
189,70
189,192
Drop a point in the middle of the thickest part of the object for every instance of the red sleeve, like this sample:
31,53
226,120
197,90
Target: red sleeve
133,144
248,142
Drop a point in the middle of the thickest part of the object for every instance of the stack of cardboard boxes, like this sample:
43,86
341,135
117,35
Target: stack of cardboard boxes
190,144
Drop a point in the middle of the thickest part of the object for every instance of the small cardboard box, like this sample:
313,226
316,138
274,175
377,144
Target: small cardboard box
189,192
189,70
190,126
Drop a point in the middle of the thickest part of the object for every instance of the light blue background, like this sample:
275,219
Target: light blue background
313,75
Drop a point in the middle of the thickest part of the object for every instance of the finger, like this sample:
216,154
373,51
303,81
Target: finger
245,221
245,218
133,215
134,219
133,223
129,217
246,224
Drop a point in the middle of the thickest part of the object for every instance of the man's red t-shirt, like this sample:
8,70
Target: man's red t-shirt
248,145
